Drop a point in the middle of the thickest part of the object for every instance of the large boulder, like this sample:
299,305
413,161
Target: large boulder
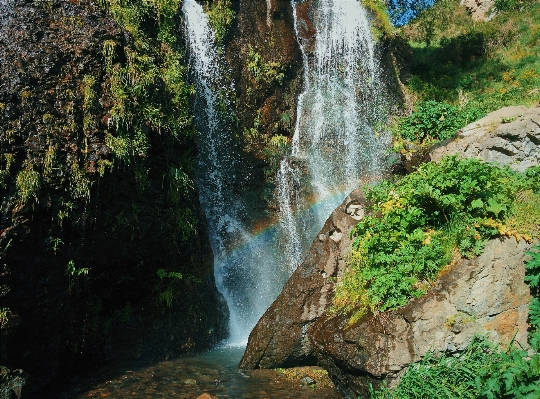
509,136
482,295
485,295
280,337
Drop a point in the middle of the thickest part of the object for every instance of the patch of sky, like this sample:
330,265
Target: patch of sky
403,11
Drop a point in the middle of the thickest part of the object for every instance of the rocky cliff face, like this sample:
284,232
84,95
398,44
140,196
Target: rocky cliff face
266,67
85,238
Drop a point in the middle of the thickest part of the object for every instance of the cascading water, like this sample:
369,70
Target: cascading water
335,144
246,267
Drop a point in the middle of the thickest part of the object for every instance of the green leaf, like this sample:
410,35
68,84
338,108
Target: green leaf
477,203
494,207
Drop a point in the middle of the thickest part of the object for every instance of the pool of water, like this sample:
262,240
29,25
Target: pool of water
214,372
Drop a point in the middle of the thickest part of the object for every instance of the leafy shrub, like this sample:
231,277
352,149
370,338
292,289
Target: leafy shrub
415,225
262,71
436,120
509,5
220,16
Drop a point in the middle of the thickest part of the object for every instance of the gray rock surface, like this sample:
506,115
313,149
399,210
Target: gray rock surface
481,10
509,136
483,295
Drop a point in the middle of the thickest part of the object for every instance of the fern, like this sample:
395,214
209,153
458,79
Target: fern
533,269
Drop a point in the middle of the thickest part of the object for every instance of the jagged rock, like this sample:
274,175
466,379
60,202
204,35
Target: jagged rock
482,295
509,136
481,10
279,339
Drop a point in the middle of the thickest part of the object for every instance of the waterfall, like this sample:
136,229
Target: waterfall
335,141
334,146
246,267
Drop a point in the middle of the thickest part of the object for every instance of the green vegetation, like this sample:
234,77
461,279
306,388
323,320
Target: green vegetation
7,160
417,225
435,121
490,64
461,69
277,148
74,274
4,317
149,90
220,16
166,287
262,71
526,215
482,370
150,97
28,183
510,5
382,26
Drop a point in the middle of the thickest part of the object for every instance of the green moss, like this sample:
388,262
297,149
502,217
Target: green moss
220,16
28,183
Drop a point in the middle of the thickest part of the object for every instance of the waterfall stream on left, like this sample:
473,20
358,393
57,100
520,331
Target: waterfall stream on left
246,266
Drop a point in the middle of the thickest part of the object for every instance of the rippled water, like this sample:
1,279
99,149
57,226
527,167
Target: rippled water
214,372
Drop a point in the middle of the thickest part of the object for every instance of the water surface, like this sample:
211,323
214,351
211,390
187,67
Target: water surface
214,372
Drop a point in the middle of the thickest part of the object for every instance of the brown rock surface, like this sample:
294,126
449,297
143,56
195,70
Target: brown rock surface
279,338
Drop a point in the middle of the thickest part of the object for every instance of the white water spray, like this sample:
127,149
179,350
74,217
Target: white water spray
334,146
246,268
335,139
